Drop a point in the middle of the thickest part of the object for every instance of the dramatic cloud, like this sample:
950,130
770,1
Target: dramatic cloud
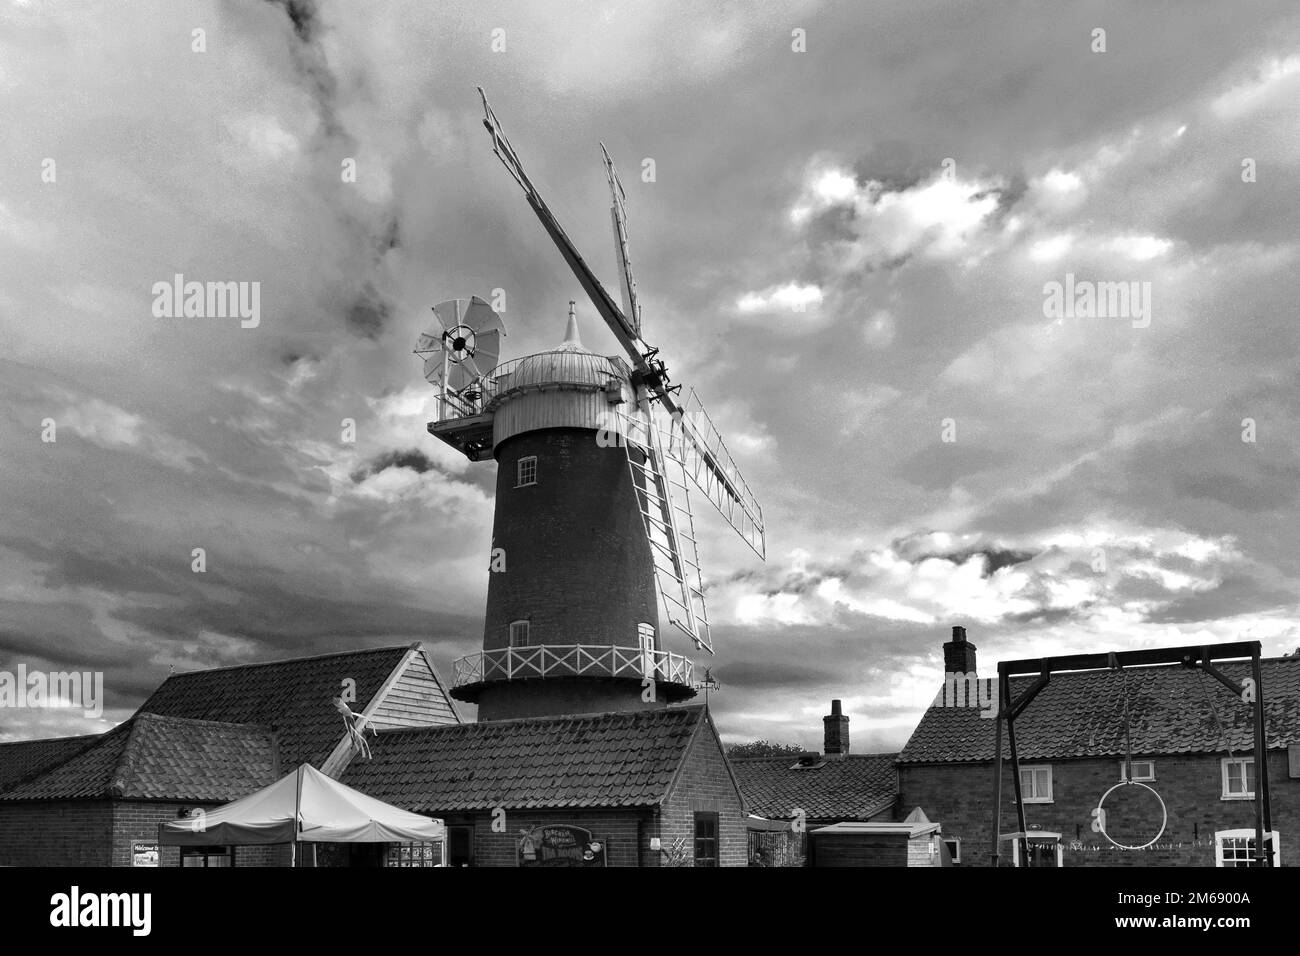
844,250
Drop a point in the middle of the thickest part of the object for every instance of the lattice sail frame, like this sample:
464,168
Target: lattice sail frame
659,474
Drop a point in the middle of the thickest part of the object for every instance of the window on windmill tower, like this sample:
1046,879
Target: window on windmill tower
519,633
526,471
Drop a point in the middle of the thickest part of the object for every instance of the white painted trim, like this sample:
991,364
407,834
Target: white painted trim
1051,783
1221,835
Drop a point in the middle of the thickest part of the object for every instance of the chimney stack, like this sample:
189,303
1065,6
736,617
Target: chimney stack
837,731
959,654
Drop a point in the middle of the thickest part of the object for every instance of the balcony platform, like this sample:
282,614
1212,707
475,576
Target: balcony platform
671,672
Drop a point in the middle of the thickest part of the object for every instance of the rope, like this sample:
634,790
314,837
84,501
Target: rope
1214,712
1128,734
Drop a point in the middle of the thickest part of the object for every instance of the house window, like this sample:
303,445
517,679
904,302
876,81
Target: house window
1238,778
706,839
519,633
1144,771
1043,851
526,471
954,849
1036,784
207,856
460,846
413,854
1237,847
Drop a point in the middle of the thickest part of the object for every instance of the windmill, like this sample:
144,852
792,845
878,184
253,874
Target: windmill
583,555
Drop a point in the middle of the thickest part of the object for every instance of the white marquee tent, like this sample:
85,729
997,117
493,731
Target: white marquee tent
304,806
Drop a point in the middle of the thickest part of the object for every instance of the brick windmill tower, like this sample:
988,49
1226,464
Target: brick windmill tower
593,529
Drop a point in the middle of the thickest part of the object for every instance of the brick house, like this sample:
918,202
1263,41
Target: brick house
202,739
827,788
641,782
1191,742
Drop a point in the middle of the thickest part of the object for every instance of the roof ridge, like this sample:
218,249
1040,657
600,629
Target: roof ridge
51,740
558,719
201,721
124,766
287,660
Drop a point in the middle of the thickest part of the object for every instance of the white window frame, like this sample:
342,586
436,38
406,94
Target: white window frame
1060,850
1139,775
1223,773
1034,770
954,848
527,633
519,471
1221,835
645,636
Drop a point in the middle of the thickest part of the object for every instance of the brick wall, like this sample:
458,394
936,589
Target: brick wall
625,832
960,797
65,833
137,821
99,833
705,785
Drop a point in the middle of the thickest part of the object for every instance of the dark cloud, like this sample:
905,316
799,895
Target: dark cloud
368,313
412,458
994,558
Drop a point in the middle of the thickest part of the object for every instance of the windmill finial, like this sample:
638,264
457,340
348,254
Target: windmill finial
571,333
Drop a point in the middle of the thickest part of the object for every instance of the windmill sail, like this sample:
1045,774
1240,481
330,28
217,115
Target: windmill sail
709,466
706,461
664,496
627,288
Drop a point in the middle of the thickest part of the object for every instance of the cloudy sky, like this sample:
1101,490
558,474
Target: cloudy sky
844,248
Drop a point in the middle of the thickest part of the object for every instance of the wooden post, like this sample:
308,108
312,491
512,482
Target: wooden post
1015,783
1263,812
1002,712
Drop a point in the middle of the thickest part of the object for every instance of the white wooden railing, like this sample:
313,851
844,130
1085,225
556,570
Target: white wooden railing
571,660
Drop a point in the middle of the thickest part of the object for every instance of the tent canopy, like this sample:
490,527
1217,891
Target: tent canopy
304,805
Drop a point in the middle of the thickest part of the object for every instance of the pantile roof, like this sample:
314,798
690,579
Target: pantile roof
852,787
25,758
594,760
1172,709
293,697
150,757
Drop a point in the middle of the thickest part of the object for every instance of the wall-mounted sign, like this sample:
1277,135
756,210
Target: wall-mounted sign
144,854
560,844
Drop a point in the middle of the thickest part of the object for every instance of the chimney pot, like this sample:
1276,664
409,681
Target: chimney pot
836,726
959,653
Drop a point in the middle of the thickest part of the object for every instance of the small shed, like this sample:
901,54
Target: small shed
914,842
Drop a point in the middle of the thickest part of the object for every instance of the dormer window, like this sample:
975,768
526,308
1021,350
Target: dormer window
526,471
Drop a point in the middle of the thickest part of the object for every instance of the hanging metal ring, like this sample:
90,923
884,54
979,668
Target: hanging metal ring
1163,811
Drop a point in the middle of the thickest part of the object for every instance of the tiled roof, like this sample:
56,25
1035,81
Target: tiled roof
596,760
1171,710
293,697
854,787
26,758
161,758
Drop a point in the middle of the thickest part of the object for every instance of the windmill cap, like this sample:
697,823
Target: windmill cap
572,341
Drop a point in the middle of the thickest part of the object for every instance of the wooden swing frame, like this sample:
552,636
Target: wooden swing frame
1192,657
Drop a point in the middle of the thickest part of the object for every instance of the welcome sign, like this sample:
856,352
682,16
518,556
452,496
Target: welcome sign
560,845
